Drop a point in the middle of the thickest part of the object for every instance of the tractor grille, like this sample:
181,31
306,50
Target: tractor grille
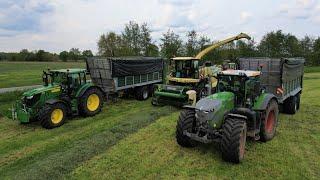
32,101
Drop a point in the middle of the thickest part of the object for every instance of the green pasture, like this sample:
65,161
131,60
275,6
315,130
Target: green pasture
133,140
14,74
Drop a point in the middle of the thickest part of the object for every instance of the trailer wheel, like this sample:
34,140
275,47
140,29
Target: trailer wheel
233,142
298,101
91,102
269,122
291,105
53,115
186,122
142,93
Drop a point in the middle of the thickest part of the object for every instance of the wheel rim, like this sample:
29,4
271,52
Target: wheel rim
56,116
242,144
93,102
145,94
270,121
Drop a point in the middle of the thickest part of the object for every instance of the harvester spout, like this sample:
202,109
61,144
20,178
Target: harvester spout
221,43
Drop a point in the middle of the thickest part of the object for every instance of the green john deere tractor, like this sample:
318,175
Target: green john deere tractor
240,108
65,92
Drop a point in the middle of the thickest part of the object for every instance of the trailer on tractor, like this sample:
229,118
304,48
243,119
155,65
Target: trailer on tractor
186,74
70,92
246,104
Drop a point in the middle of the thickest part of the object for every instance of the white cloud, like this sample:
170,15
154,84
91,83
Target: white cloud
79,23
245,17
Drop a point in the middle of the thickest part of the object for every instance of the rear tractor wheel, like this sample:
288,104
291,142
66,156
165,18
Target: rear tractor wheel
233,142
269,123
53,115
91,102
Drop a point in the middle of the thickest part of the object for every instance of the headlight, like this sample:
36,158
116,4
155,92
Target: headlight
29,97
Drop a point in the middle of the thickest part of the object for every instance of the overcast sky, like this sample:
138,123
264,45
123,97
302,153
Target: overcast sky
56,25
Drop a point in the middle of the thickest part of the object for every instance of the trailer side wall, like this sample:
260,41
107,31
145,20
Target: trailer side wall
281,77
114,74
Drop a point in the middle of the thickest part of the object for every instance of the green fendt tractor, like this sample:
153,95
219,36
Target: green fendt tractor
246,104
65,92
240,108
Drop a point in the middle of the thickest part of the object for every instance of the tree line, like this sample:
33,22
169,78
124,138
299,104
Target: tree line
135,40
74,54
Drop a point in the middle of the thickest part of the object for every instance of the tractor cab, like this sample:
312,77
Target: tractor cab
185,67
67,78
245,85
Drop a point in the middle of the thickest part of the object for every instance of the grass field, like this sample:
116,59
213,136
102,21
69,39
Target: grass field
132,139
13,74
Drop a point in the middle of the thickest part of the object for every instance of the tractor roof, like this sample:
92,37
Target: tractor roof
184,58
71,71
241,73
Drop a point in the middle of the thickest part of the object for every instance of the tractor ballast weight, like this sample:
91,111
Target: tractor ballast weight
187,75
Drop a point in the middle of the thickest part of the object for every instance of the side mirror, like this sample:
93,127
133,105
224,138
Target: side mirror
45,78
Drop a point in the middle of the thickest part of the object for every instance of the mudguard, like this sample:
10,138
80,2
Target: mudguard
84,88
262,101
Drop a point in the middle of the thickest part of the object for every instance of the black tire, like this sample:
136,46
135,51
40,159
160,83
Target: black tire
46,113
290,105
152,89
142,93
186,122
234,132
269,121
84,109
298,100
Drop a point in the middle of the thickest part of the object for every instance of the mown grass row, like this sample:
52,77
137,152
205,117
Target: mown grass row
32,152
152,152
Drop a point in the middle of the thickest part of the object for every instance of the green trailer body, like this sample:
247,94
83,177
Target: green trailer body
121,75
282,77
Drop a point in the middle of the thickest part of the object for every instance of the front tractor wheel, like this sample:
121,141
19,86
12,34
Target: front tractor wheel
269,123
233,142
91,102
186,122
53,115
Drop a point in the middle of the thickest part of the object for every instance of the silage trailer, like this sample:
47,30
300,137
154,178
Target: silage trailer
126,75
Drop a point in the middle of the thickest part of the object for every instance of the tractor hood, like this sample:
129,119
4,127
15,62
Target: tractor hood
212,108
214,102
32,92
208,105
